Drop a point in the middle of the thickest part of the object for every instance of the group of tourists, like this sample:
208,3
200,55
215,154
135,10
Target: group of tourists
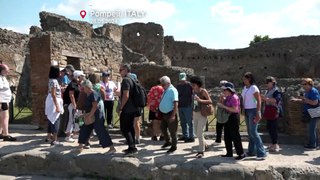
79,105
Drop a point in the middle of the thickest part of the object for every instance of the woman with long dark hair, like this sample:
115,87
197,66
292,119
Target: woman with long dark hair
252,111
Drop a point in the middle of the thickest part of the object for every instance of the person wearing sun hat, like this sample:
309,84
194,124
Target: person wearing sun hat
185,108
231,103
70,98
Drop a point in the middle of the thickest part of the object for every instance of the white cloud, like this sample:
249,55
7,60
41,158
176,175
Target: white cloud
300,17
156,11
67,8
19,29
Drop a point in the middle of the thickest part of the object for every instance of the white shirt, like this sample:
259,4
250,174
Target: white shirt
109,88
5,92
249,100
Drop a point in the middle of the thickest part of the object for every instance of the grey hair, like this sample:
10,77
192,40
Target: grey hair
165,80
87,83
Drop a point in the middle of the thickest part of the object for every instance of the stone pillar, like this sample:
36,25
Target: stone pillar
40,61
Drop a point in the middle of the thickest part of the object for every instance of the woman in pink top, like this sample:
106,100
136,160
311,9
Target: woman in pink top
231,103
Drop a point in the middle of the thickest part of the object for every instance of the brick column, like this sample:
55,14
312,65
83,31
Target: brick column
40,61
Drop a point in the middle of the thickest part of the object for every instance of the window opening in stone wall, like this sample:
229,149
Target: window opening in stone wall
138,34
75,62
158,34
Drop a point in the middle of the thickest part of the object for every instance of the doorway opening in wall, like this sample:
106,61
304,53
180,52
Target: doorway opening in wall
74,61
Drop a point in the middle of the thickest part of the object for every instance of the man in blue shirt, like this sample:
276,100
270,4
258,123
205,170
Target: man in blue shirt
169,108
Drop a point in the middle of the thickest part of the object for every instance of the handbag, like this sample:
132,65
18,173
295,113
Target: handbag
270,112
314,112
206,109
81,101
222,115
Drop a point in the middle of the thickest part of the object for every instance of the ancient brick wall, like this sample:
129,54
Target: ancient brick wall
148,74
89,52
40,61
146,39
55,22
14,53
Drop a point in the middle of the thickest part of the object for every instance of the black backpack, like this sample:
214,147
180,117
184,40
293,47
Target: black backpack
139,95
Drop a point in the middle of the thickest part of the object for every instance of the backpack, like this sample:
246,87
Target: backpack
139,95
280,104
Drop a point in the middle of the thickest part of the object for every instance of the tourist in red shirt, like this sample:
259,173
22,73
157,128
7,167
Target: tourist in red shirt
154,98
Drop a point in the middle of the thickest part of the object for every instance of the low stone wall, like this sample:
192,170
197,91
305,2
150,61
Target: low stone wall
101,166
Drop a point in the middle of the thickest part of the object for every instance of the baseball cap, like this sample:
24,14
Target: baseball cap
182,76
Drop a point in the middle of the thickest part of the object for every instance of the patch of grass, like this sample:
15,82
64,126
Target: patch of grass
22,115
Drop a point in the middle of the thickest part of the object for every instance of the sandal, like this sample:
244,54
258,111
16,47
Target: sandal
9,138
199,155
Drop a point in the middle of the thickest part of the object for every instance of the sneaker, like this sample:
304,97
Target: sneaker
154,138
131,151
216,143
247,154
189,140
110,126
76,136
227,155
171,150
310,148
167,144
87,145
274,148
261,157
240,157
199,155
161,138
56,143
182,138
69,139
9,138
111,151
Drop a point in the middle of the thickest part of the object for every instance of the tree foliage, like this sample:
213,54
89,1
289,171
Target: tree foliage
259,38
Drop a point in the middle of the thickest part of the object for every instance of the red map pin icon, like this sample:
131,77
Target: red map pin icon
83,13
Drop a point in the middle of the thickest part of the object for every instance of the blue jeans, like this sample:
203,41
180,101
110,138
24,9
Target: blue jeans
185,114
313,139
255,142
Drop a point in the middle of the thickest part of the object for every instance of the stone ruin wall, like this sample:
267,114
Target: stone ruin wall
14,53
149,74
146,39
283,58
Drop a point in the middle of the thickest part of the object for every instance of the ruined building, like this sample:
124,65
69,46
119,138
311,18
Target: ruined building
78,43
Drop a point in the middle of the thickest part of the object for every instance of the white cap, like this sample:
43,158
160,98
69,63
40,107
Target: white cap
78,73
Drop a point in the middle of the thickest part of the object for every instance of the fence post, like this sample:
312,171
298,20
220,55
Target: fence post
11,113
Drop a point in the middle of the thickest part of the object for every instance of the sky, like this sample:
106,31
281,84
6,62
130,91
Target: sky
215,24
